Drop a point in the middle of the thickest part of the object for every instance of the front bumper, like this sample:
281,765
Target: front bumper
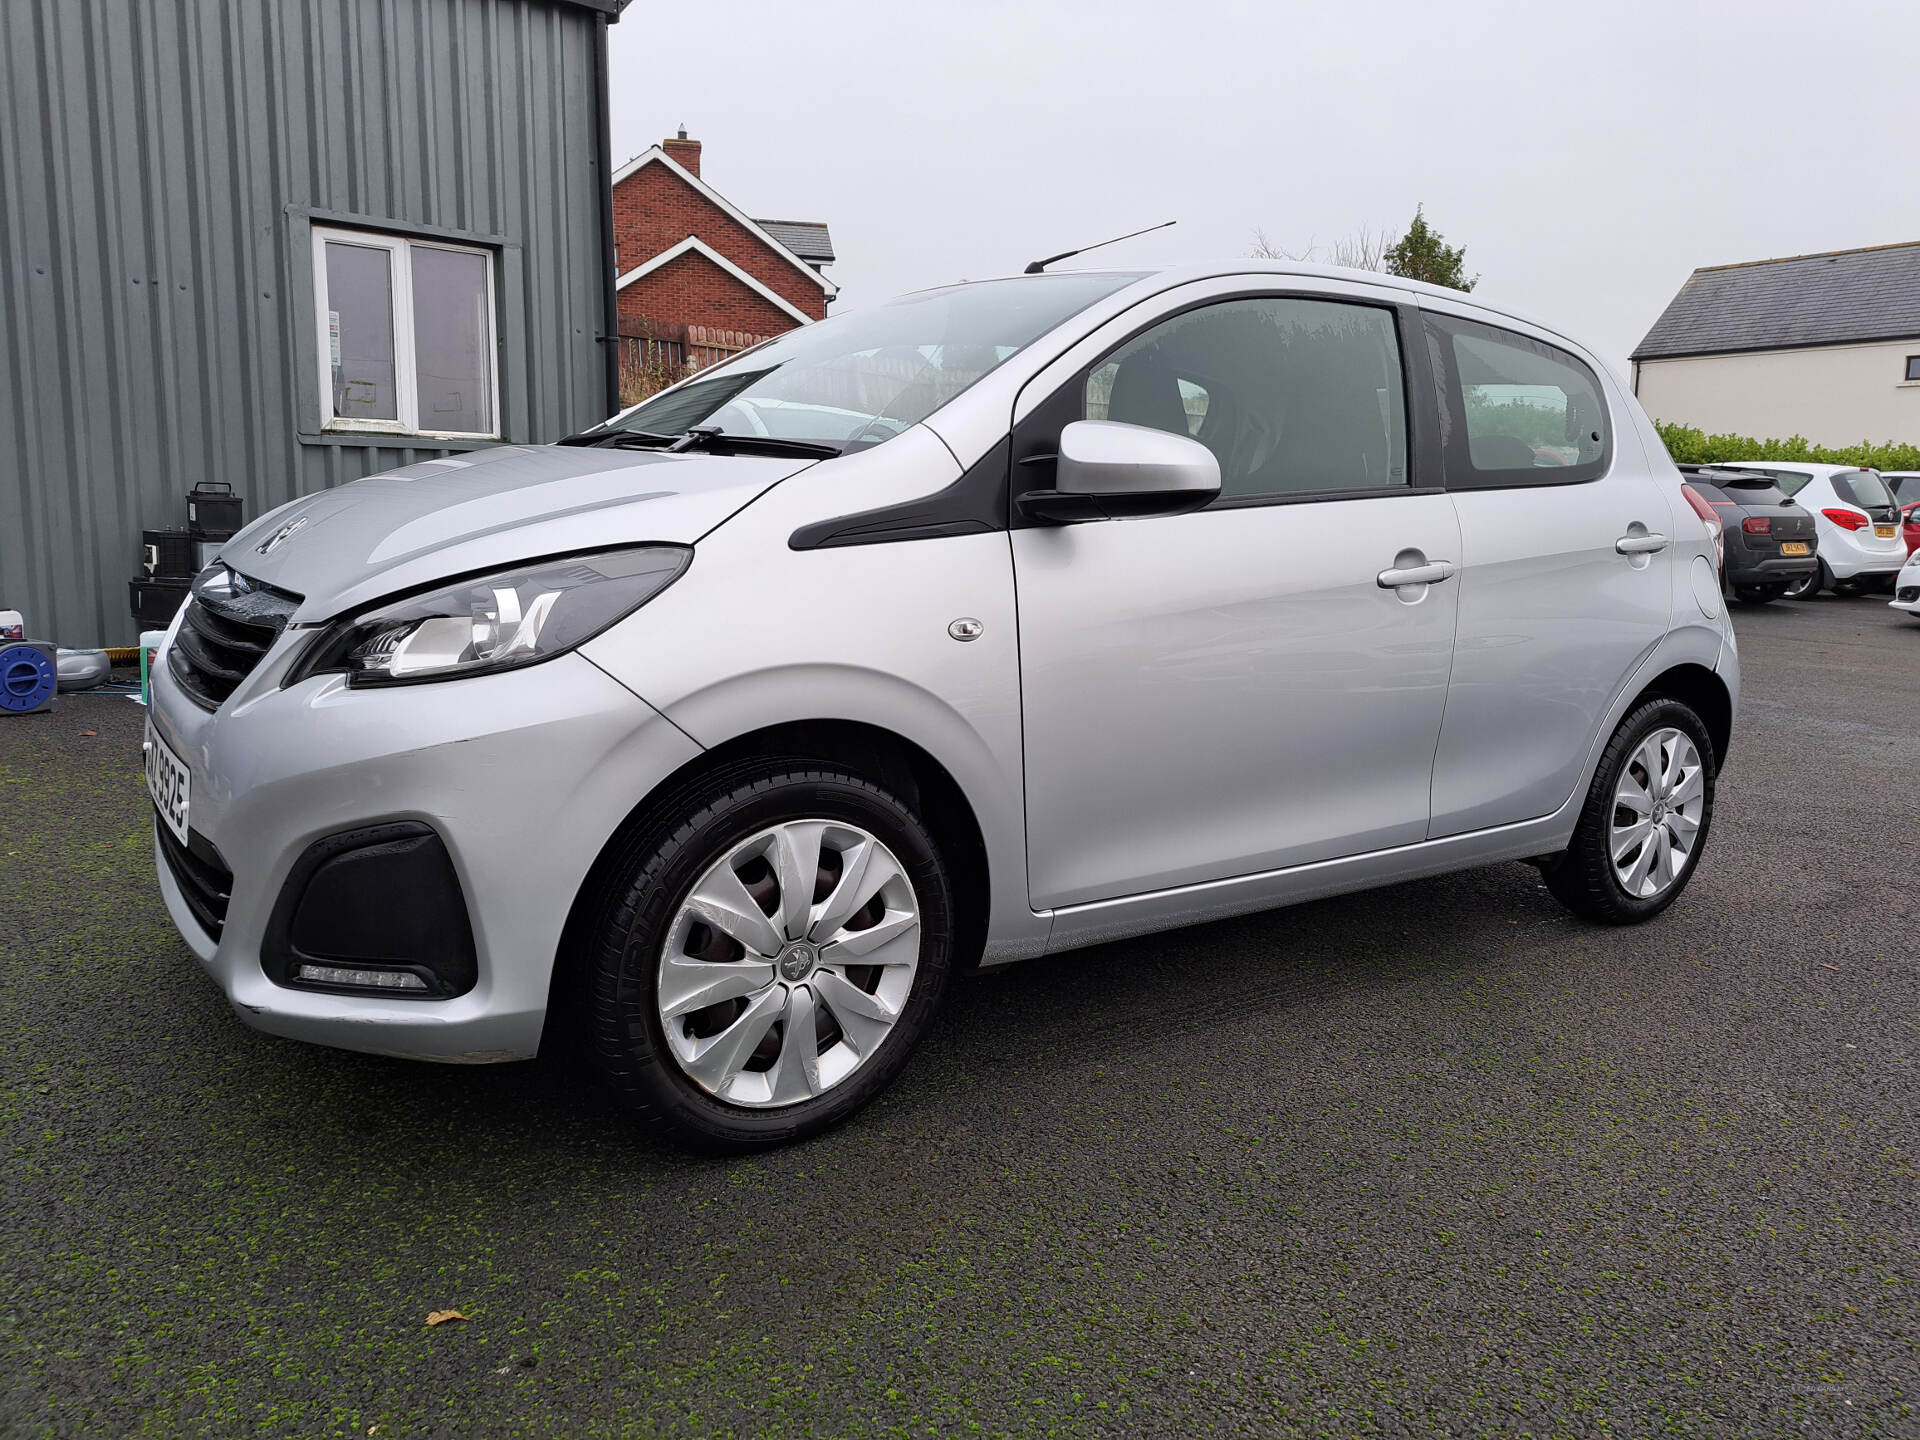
523,775
1906,590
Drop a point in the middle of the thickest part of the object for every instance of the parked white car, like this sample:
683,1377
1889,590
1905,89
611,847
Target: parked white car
1854,516
1906,588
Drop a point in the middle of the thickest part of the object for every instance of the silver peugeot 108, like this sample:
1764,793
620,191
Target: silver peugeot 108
994,621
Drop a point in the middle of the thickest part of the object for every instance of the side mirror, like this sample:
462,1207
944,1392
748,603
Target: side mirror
1111,471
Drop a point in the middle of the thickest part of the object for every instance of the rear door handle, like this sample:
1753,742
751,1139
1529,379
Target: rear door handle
1645,544
1431,573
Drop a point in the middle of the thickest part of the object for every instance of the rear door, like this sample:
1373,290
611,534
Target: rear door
1565,585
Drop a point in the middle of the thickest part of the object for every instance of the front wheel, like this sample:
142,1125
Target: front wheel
769,955
1645,820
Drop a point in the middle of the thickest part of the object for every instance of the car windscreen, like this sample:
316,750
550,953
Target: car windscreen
1864,488
861,378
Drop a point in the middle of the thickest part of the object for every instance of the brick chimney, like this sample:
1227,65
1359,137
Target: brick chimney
683,152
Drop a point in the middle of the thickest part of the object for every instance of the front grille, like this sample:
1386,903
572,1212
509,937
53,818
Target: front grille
226,632
204,880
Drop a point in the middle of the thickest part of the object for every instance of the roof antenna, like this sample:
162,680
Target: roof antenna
1038,265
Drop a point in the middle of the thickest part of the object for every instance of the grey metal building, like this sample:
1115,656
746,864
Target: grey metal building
282,244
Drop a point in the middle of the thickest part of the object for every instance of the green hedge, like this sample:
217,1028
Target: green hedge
1691,446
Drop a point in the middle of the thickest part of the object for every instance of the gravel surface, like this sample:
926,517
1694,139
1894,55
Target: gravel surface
1432,1160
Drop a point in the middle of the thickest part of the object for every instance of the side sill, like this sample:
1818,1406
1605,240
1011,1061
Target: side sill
1101,921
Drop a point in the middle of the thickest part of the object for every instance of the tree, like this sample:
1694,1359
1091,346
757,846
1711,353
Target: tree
1363,250
1423,254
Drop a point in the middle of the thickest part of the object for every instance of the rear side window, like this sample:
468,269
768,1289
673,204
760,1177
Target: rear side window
1514,410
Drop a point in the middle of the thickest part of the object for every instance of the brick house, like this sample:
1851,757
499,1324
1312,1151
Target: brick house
697,278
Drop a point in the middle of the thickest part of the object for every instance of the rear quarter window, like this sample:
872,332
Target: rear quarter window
1515,410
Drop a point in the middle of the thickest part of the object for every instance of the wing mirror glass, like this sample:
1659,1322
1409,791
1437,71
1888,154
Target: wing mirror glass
1112,471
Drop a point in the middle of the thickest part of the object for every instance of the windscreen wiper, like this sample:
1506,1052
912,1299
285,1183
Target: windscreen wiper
705,437
622,439
712,437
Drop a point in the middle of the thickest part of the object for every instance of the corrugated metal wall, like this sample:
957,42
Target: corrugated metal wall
161,165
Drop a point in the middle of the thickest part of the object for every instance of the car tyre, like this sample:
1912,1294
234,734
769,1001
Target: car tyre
1587,877
641,904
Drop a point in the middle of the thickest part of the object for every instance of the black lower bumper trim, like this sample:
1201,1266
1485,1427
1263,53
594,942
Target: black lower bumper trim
205,882
384,898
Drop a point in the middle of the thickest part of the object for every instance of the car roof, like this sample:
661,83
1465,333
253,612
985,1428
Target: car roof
1163,277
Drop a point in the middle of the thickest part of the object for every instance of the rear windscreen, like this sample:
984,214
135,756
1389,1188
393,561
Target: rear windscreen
1864,488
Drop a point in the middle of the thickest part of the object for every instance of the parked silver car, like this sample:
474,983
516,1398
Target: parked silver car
993,621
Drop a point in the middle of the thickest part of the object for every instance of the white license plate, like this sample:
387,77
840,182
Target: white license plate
168,781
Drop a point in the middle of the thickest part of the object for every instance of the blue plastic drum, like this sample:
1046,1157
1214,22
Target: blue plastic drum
28,679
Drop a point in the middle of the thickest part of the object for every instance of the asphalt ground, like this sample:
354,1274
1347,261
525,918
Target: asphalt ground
1432,1160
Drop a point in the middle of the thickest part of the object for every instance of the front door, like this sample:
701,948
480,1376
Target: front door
1236,690
1565,584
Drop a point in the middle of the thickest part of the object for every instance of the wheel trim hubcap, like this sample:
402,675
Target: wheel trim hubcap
1658,803
788,963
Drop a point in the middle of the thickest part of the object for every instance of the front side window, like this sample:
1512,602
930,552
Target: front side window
406,335
858,379
1294,397
1518,411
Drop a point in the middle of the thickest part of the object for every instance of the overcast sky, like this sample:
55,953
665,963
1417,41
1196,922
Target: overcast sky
1588,156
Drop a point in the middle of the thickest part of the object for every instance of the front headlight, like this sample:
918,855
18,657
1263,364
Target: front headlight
496,622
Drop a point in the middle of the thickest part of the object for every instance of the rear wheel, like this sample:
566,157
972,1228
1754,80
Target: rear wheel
769,955
1645,820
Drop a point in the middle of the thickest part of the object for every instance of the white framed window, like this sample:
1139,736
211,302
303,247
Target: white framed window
406,335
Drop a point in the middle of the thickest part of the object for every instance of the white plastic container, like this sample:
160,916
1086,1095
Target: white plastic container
13,625
150,643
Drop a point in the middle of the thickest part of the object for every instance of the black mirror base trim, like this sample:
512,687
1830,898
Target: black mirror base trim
975,504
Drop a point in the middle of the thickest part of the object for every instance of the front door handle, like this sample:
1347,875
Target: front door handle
1640,543
1431,573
